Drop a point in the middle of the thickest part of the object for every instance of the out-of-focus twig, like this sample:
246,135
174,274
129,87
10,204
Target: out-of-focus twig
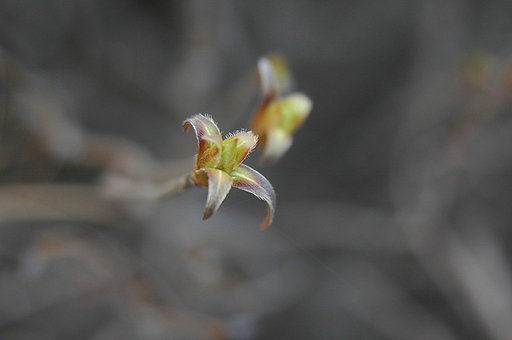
122,187
129,171
30,202
428,182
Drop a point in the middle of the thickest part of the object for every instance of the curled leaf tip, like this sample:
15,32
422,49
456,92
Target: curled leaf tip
209,140
248,179
202,124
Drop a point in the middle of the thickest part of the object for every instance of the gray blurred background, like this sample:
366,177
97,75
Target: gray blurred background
394,203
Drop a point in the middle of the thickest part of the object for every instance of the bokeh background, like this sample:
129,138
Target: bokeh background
394,203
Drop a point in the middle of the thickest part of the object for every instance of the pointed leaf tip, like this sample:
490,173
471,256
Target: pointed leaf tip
219,184
248,179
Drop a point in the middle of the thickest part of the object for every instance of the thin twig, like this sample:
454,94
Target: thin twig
126,188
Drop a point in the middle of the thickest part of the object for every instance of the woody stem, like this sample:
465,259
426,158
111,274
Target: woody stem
176,185
128,189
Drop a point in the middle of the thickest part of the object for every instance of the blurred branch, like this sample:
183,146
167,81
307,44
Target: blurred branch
428,179
30,202
122,187
129,171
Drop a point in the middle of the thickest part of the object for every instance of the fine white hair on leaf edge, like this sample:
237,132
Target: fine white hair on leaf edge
236,132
